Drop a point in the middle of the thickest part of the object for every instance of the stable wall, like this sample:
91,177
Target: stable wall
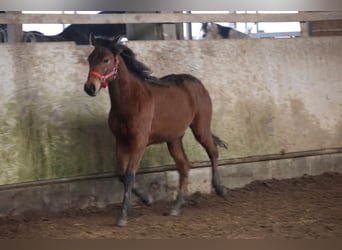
269,97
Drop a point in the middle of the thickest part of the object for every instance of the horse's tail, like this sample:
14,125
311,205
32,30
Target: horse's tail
219,142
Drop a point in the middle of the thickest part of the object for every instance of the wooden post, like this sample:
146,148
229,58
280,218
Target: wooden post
171,31
305,29
179,31
14,31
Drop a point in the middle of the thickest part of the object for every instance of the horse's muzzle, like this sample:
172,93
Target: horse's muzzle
90,89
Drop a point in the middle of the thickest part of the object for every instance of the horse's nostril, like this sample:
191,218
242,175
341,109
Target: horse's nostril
90,90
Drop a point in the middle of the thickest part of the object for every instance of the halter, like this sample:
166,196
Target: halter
104,78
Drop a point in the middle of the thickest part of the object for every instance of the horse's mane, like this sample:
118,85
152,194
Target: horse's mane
135,67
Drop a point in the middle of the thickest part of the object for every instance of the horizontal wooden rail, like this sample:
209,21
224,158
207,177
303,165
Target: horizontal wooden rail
15,18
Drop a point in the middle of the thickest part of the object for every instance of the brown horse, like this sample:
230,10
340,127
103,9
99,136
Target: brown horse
146,110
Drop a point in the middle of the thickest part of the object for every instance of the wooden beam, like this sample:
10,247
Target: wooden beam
326,28
12,18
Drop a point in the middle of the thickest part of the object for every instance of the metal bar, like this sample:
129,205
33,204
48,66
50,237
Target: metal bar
172,167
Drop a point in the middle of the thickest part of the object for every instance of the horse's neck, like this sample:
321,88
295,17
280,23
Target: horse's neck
125,89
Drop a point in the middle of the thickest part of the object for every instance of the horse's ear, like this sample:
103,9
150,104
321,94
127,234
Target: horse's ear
92,39
204,26
117,60
115,40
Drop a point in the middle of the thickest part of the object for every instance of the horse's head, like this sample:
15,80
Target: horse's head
210,31
103,64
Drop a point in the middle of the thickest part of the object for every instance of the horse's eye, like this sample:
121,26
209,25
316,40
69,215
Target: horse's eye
106,60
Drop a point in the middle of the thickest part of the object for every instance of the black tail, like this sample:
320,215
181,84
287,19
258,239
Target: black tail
219,142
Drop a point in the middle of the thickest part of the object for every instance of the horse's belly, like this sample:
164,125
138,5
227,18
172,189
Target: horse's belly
176,106
166,134
171,121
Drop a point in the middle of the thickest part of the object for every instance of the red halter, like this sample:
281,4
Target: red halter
104,78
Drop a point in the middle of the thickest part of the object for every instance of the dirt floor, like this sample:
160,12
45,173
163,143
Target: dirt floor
307,208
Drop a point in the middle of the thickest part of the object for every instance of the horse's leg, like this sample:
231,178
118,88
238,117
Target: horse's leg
122,159
128,180
129,167
146,198
177,152
204,137
212,152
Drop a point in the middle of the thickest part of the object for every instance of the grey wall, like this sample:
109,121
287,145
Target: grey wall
269,97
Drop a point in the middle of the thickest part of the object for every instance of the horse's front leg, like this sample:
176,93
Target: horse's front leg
146,198
128,179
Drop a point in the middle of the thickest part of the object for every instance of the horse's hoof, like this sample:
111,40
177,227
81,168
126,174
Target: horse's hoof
175,212
221,190
149,201
122,223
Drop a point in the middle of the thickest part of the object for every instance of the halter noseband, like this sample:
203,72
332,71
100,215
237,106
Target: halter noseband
104,78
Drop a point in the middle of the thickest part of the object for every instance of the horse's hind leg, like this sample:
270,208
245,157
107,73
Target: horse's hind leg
205,138
212,152
177,152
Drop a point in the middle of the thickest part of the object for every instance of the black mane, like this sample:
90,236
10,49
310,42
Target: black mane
135,67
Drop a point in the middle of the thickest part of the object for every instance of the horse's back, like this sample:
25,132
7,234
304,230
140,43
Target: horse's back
179,79
177,102
200,98
188,84
184,82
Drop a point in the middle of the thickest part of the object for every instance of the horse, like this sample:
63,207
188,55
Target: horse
148,110
216,31
3,35
3,31
80,33
36,36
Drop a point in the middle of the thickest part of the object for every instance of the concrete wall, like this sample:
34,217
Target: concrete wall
269,96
